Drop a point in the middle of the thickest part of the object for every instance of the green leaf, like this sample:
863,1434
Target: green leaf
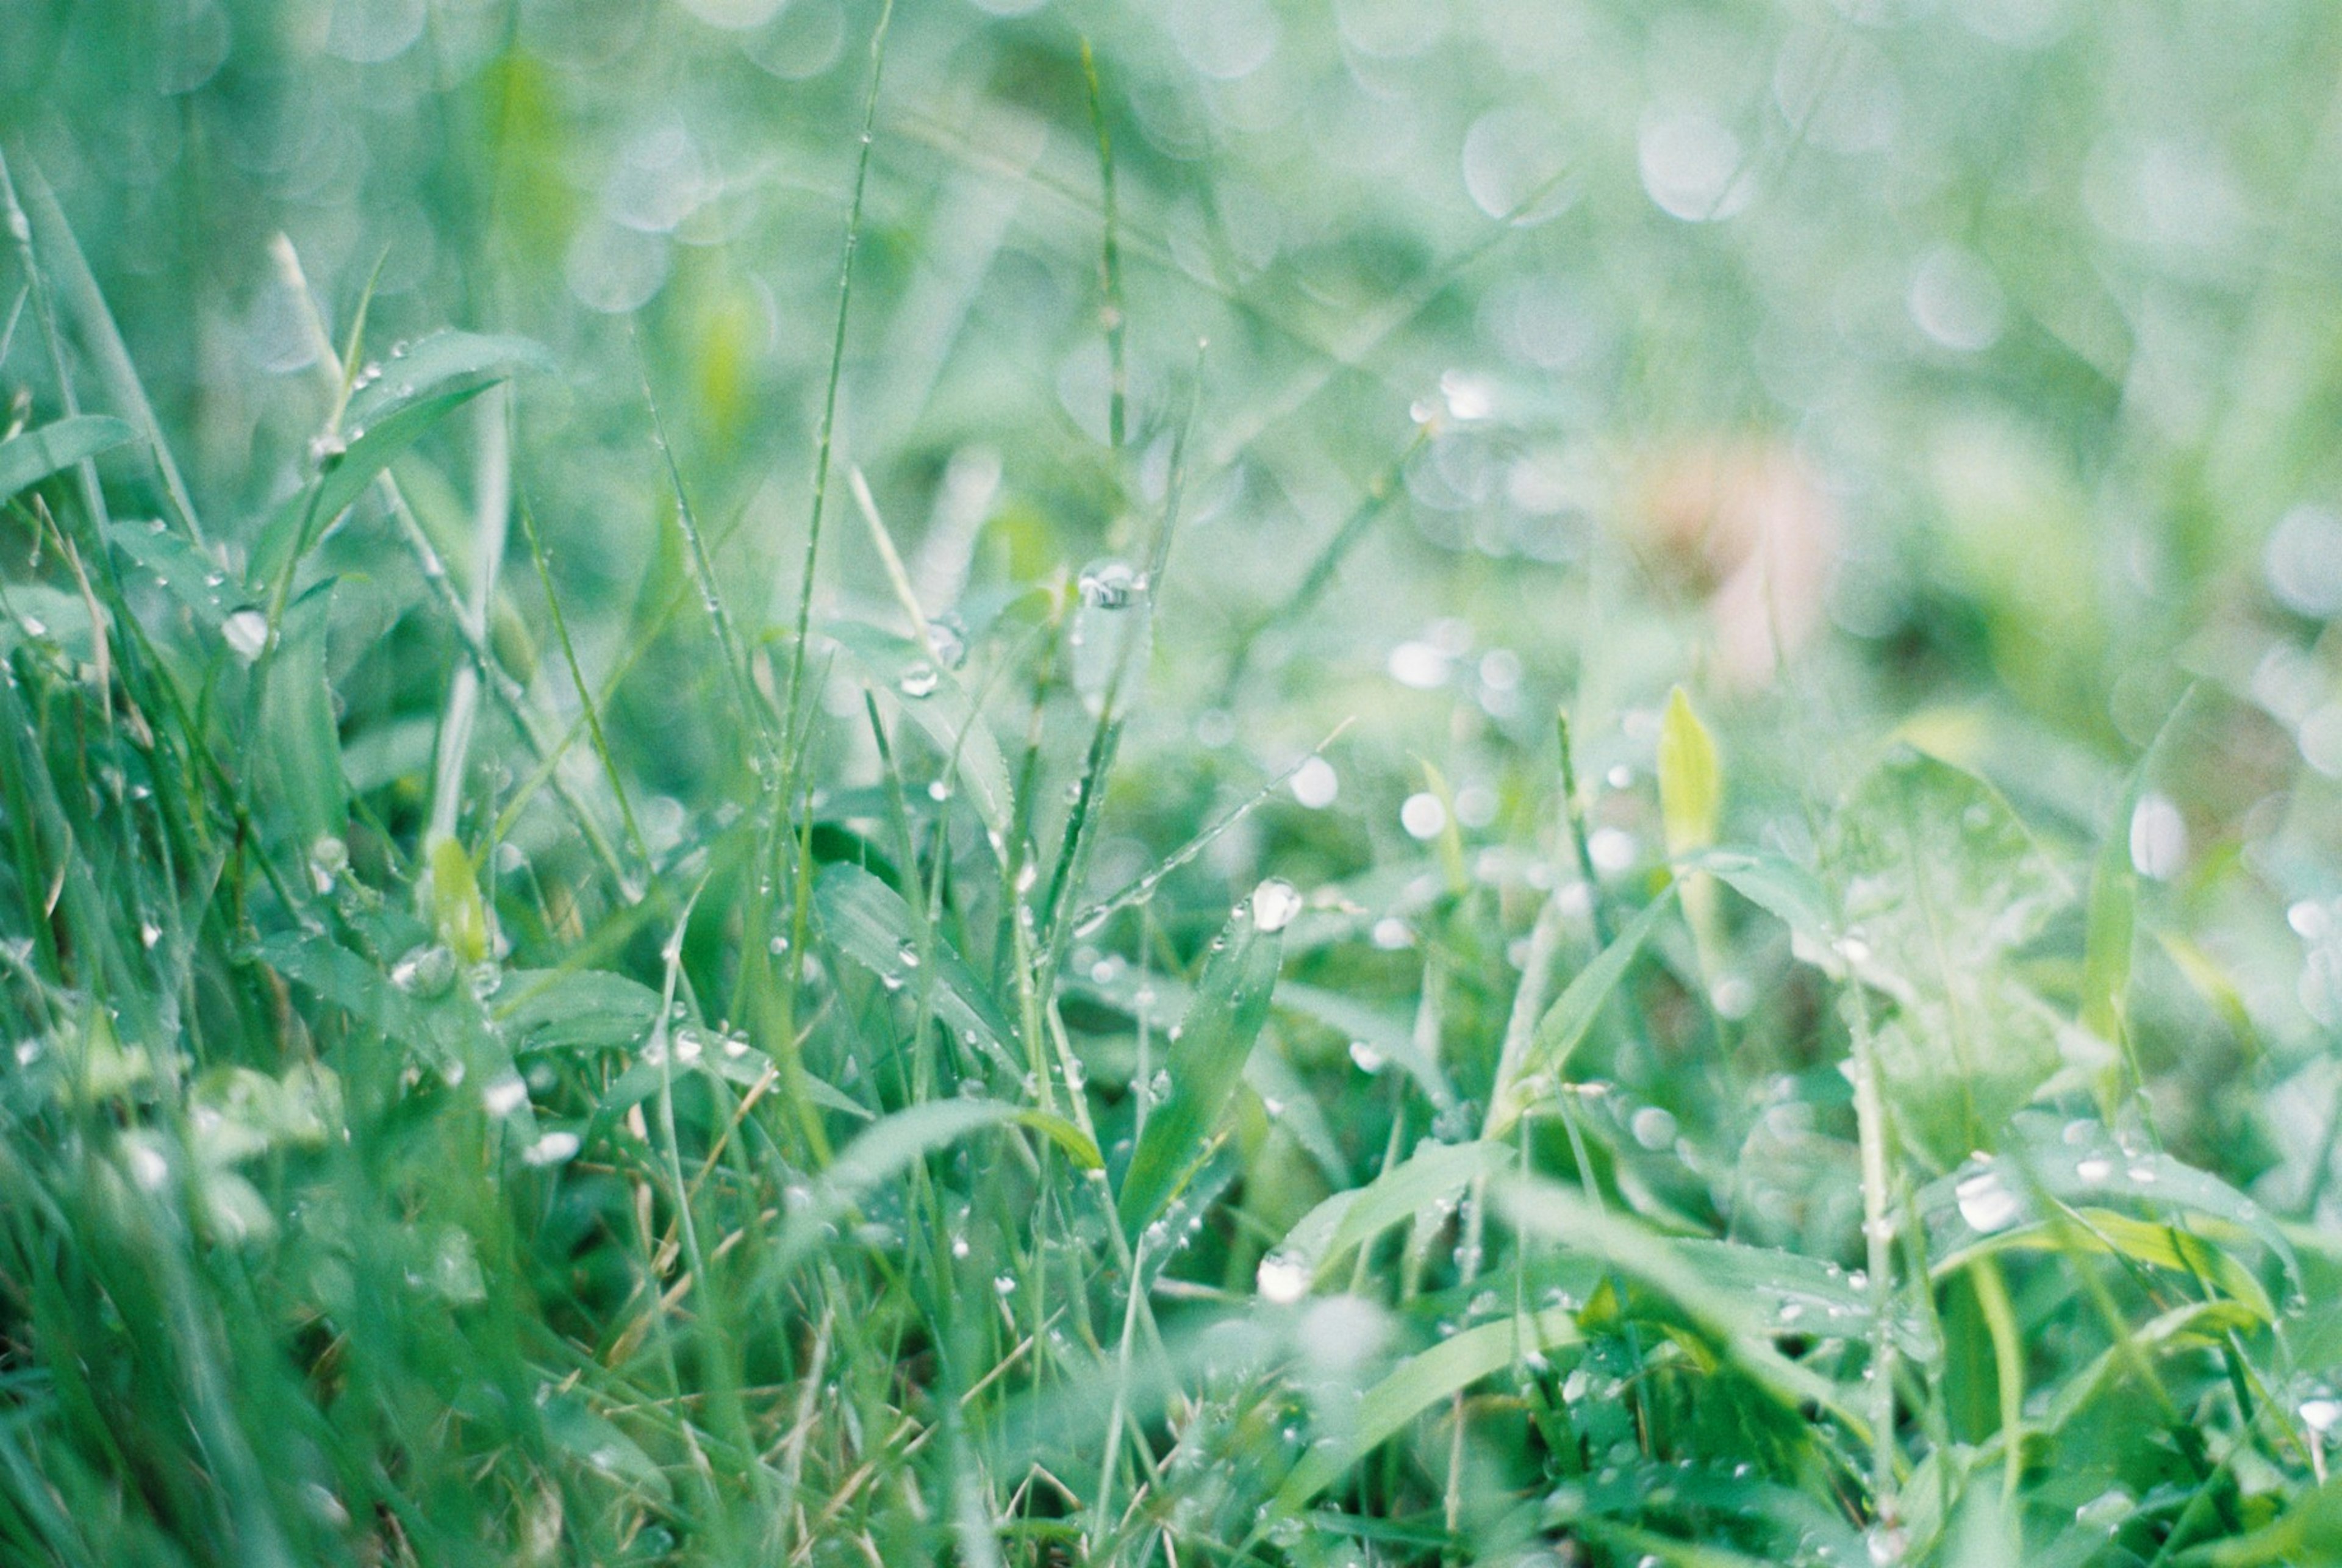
1159,997
900,671
1393,1037
575,1010
445,361
1416,1386
595,1442
349,980
27,459
1434,1174
298,742
1206,1062
889,1147
1691,783
870,924
306,515
181,569
1781,888
1725,1313
1567,1022
2159,1246
1941,882
1985,1202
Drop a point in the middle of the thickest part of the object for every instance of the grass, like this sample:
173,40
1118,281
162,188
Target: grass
1285,958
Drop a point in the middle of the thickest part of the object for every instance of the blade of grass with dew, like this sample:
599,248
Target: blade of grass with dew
827,430
1204,1060
1065,877
889,1147
1542,1209
447,361
870,924
1419,1384
1568,1022
1316,1244
310,514
1143,886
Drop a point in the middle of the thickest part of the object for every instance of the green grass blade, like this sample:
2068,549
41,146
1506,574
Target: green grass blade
1314,1247
1206,1056
1419,1384
25,460
870,924
1568,1022
309,515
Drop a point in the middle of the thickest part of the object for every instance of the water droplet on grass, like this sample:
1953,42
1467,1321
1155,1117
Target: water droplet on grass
1275,902
246,632
1985,1202
1281,1279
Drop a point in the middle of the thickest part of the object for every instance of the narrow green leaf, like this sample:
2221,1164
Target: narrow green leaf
1159,997
1781,888
1726,1315
932,697
60,255
1416,1386
27,459
306,515
209,595
889,1147
443,362
1567,1022
2157,1245
298,742
594,1441
1206,1056
871,925
1981,1201
575,1010
1434,1173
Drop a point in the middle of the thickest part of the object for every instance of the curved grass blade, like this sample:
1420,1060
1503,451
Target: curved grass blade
870,924
444,362
1565,1024
890,1145
306,515
61,259
1206,1056
1434,1174
1724,1316
1781,888
25,460
1417,1384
